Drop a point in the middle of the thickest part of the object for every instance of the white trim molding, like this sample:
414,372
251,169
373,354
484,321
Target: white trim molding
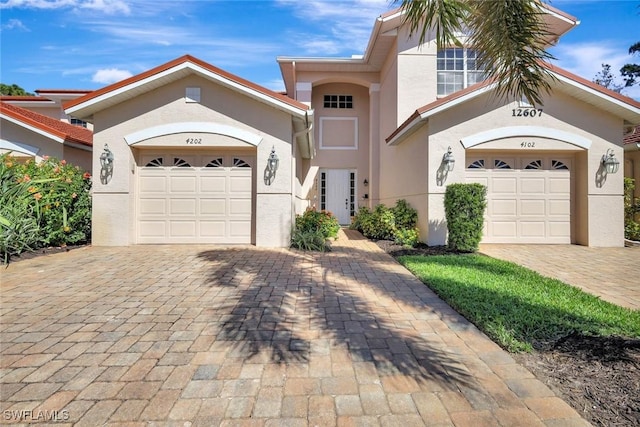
354,146
19,147
196,127
515,131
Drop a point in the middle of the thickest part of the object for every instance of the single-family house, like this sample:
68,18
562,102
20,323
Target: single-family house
36,126
189,153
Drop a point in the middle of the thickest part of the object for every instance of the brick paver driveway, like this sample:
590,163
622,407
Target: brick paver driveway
187,335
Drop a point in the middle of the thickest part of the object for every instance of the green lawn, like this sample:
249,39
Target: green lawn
516,307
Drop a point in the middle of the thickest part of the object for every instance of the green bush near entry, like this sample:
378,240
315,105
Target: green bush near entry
382,223
464,206
312,230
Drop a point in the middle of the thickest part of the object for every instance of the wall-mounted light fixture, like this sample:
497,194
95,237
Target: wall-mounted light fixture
106,165
272,166
609,162
365,182
448,161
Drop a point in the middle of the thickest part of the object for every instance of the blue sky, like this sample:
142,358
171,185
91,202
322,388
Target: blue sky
87,44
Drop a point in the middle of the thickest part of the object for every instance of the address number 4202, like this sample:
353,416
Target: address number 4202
526,112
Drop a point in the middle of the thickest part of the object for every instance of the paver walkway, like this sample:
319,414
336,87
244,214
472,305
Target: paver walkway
188,335
612,274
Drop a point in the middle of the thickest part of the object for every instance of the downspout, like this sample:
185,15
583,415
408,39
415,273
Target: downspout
307,131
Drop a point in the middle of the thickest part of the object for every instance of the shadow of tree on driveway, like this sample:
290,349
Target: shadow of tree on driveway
291,306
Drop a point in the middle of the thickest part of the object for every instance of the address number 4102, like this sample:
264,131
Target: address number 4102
526,112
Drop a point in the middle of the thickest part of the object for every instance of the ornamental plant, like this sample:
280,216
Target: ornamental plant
53,194
382,223
464,206
312,230
631,211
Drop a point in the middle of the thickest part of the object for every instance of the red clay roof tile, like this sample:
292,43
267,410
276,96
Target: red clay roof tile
58,128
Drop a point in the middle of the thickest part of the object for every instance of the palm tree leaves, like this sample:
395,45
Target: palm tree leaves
510,37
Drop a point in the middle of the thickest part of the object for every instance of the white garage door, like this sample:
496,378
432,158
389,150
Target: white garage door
528,198
204,198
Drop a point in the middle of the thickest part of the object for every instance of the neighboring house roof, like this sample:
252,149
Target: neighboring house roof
633,137
63,91
84,107
576,86
55,129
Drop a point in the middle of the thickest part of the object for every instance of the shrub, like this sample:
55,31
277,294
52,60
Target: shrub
406,217
313,228
382,223
464,206
63,192
409,237
46,203
631,210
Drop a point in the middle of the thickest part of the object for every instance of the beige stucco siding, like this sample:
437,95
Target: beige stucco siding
562,114
167,105
45,146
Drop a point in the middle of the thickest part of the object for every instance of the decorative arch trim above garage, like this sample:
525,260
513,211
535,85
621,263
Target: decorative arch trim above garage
194,127
525,131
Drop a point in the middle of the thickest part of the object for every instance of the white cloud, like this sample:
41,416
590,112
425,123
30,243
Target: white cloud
15,24
347,24
105,6
276,85
110,75
586,59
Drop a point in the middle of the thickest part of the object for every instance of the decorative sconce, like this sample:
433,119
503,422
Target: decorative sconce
106,165
609,162
448,162
365,182
272,166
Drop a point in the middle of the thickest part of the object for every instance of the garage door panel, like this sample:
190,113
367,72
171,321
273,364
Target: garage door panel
529,207
559,185
532,228
504,228
153,206
559,207
153,184
182,229
213,229
239,228
213,206
183,184
530,185
240,207
213,184
182,206
559,229
238,184
504,185
201,203
504,207
152,228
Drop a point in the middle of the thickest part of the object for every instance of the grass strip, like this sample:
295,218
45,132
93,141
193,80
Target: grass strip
518,308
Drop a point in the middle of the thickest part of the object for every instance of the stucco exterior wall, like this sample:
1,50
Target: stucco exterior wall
45,146
167,105
338,157
560,113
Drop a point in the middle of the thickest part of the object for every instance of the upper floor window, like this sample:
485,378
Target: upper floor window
338,101
457,69
77,122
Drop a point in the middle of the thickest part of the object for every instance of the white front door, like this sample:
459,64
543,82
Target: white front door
337,190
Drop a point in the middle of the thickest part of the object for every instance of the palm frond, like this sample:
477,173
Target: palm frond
444,17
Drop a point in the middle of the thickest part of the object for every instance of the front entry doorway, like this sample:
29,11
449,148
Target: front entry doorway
338,193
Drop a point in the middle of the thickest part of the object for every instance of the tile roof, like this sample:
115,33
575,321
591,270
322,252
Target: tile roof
633,137
29,98
409,122
69,133
178,61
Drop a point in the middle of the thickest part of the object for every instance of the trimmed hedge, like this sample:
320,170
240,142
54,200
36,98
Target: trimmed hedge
464,206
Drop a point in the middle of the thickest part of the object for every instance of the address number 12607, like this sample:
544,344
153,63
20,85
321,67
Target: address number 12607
526,112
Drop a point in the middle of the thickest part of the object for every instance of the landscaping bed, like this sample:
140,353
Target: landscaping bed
599,376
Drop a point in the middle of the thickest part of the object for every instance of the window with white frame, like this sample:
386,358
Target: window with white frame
457,68
77,122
